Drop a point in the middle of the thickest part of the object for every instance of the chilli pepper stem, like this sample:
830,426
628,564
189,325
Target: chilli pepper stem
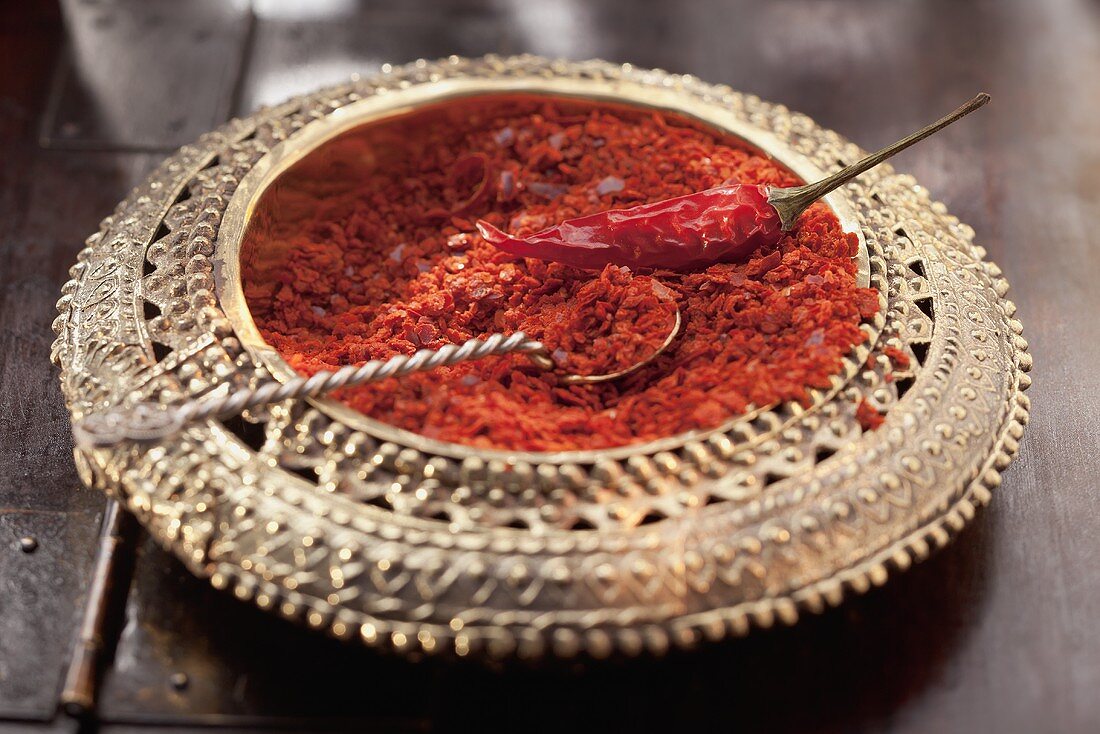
791,202
692,231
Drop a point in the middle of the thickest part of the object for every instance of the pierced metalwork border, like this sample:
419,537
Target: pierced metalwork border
785,512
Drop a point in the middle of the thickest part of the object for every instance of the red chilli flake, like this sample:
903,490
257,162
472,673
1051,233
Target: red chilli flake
868,416
898,358
367,249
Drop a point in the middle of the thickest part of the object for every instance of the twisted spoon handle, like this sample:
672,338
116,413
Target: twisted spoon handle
152,421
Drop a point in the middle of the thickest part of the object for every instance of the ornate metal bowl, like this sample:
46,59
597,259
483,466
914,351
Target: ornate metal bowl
319,513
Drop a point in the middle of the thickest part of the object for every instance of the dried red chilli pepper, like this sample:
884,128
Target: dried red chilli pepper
347,269
688,232
684,233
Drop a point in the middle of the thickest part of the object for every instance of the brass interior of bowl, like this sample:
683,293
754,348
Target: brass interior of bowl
314,146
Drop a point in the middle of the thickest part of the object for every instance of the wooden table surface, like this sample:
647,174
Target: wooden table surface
996,633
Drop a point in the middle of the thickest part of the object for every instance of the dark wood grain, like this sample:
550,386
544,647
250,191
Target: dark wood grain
280,674
993,634
39,593
145,75
296,51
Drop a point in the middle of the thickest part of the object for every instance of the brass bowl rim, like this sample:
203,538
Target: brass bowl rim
311,137
830,527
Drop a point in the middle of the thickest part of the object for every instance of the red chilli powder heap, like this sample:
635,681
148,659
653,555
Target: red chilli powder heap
368,249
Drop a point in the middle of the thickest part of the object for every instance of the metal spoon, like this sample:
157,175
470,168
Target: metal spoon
542,359
151,421
790,202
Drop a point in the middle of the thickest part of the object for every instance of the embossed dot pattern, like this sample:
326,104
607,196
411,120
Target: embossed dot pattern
398,544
